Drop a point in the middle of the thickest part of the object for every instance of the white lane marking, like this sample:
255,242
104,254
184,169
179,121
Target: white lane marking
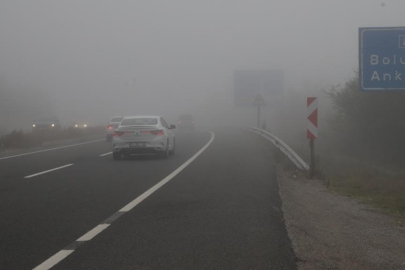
147,193
52,261
99,228
96,230
51,170
109,153
51,149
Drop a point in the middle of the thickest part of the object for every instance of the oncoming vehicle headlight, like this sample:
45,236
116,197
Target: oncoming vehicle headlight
53,125
33,125
85,125
76,126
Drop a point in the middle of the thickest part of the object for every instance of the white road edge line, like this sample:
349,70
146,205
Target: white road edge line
109,153
52,261
51,170
51,149
96,230
147,193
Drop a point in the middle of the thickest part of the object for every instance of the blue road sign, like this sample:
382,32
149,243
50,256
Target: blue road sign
382,58
269,84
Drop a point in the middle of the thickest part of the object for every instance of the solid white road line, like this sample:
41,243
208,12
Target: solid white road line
52,261
99,228
96,230
147,193
109,153
51,170
51,149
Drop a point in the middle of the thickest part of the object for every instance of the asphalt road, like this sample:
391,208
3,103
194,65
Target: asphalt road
220,210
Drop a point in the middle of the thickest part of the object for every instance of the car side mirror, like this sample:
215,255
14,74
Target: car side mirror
172,126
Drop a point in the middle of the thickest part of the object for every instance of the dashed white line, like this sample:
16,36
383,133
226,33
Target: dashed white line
96,230
51,170
101,227
51,149
109,153
52,261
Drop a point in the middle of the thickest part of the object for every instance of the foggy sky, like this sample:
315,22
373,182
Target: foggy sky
94,59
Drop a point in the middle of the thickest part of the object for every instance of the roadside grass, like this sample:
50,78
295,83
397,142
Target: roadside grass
385,190
368,182
381,185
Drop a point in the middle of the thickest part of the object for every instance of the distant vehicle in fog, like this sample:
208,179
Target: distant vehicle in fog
80,124
46,123
143,135
112,126
186,121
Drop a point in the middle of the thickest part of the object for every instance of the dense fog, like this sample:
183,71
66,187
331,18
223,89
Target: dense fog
90,60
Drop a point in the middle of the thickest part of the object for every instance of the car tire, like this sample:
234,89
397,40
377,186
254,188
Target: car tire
166,153
116,155
172,152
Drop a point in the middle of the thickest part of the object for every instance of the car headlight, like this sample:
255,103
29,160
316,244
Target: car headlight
75,125
53,125
33,125
85,125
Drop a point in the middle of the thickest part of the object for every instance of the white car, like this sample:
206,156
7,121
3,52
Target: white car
112,126
143,135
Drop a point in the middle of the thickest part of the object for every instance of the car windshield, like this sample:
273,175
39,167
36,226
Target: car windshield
139,122
117,119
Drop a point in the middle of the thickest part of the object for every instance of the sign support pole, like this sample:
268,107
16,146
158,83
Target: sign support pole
258,101
312,164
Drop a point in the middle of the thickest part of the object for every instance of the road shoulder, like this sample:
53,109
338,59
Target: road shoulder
330,231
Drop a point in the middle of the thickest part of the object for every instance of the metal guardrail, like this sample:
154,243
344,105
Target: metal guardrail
282,146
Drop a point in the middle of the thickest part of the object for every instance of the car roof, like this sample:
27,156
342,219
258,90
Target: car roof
117,117
142,116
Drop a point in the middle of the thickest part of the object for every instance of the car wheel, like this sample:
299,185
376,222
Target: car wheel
174,148
116,155
166,153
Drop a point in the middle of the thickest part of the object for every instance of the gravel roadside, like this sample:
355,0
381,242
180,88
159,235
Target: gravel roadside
330,231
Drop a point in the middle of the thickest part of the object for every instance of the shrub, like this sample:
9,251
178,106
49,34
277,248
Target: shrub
369,124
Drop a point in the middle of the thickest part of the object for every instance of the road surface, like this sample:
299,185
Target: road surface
213,205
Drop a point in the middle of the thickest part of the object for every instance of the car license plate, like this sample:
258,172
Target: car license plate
137,144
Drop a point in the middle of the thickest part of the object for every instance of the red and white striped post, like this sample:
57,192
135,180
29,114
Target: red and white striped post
312,129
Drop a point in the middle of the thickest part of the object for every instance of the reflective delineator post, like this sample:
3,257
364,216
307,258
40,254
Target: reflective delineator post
312,130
